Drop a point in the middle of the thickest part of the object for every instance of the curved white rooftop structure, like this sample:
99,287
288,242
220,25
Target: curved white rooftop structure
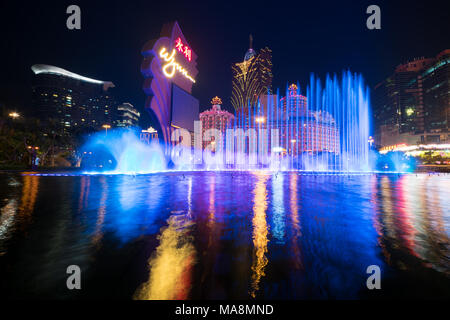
47,69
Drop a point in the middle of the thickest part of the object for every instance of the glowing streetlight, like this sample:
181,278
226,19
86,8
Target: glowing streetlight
14,115
106,127
371,141
260,119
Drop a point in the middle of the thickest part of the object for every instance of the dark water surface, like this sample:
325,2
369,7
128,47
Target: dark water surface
206,235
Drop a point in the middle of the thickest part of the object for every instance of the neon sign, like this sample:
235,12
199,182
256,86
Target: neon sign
184,49
171,66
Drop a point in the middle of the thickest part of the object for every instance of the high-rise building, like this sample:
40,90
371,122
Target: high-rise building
436,91
251,78
126,115
216,118
71,102
412,105
316,131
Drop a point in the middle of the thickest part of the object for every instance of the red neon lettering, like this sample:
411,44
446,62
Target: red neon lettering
185,50
179,45
187,53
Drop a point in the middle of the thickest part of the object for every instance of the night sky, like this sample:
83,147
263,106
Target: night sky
305,37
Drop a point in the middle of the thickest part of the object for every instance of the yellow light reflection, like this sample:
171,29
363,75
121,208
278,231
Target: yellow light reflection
259,232
171,265
29,193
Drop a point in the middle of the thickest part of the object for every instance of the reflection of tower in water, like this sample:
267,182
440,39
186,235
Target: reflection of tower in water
260,233
30,188
171,265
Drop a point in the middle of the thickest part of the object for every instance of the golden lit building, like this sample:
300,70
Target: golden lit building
251,78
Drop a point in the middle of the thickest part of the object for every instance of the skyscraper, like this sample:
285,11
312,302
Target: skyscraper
436,87
251,78
126,115
304,130
413,105
71,101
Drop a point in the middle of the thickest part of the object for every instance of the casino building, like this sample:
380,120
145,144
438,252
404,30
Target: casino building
71,102
299,128
216,118
303,130
169,68
251,78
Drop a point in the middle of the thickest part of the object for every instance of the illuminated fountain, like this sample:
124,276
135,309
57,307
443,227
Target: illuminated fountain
121,151
326,130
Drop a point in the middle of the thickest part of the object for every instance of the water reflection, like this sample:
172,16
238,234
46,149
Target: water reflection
29,193
7,217
413,221
85,184
98,234
260,232
278,222
295,223
225,235
171,266
17,214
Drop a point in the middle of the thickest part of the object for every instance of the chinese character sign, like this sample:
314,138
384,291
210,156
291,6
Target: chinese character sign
184,49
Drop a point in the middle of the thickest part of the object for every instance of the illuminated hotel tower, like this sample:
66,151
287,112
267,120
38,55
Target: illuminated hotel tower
251,78
215,118
303,130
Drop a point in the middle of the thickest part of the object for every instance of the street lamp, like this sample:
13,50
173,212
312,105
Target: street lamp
14,115
260,119
106,126
293,141
33,150
371,141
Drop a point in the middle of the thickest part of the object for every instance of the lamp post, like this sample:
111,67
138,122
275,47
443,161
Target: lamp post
32,150
370,141
293,141
106,127
14,115
260,119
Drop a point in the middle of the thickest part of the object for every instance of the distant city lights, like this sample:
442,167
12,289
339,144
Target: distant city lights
406,148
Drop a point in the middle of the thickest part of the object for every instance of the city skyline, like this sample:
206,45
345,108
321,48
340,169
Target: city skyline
225,151
374,53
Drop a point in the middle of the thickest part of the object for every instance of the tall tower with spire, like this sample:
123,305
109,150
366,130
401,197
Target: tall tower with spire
251,77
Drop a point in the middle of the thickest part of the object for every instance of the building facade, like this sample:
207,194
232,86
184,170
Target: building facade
216,118
412,105
70,102
126,116
251,78
436,91
303,130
